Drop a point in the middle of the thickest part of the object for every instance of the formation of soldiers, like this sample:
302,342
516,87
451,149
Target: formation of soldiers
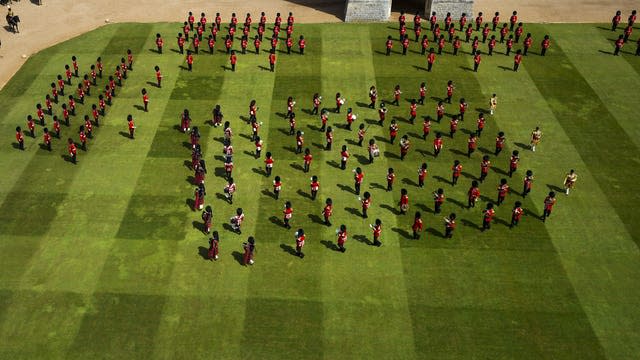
511,34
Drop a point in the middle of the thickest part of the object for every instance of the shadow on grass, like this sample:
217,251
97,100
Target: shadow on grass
363,239
316,219
329,245
239,257
435,232
269,194
402,232
346,188
471,224
288,249
276,221
555,188
391,209
303,194
199,226
353,211
203,252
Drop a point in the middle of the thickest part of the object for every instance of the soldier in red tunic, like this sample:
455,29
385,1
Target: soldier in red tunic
300,239
473,194
131,126
472,143
544,45
619,44
145,99
431,59
456,170
503,190
214,241
528,183
413,110
327,211
358,175
32,126
342,238
287,214
361,132
315,186
517,59
272,60
249,251
268,163
426,127
513,162
199,195
422,174
405,144
549,202
449,225
393,131
404,201
302,43
159,43
207,217
437,144
277,186
73,151
366,203
307,158
513,20
19,138
487,216
417,225
344,156
500,141
516,214
158,76
484,167
391,177
438,197
56,126
377,231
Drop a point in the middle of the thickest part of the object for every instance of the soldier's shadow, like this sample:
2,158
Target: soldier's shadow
203,252
238,256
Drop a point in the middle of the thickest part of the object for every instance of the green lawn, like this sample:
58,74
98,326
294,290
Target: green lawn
103,259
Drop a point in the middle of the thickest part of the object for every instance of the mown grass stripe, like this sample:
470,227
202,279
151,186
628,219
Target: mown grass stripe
570,227
596,70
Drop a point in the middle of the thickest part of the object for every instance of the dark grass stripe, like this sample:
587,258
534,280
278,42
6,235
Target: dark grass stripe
169,141
128,36
5,300
108,328
276,329
429,326
195,86
154,218
487,333
279,323
628,51
17,214
23,79
40,322
604,146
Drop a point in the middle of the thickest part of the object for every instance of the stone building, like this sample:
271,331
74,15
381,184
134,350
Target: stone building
380,10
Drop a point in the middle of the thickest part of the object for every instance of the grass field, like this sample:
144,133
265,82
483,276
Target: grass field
103,259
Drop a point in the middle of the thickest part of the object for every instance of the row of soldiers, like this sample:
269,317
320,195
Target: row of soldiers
68,109
366,198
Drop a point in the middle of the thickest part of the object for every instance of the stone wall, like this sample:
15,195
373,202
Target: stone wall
367,10
455,7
